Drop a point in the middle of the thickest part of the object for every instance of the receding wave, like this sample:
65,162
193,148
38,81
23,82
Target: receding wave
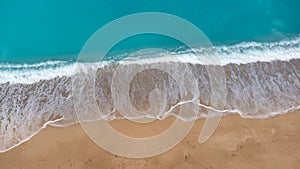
259,88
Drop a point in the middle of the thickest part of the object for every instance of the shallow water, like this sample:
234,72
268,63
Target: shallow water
254,90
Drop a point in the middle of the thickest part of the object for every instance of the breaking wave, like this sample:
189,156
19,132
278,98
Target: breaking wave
262,80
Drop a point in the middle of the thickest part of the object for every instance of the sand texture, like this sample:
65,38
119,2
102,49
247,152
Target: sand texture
237,143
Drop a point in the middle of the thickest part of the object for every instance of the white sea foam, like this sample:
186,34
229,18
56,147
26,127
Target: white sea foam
30,73
262,80
241,53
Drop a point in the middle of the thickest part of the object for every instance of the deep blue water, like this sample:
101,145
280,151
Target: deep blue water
34,31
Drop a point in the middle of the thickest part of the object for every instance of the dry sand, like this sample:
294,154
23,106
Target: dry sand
237,143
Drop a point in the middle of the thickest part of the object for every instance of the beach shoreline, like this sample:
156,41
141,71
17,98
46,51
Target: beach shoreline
236,143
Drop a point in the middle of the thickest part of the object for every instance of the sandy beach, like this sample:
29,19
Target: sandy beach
237,143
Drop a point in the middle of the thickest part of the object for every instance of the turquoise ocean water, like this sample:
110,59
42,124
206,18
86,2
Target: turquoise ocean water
33,31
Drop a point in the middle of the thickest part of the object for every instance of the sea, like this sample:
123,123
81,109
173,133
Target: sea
257,44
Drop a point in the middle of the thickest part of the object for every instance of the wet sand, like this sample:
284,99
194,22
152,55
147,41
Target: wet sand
237,143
